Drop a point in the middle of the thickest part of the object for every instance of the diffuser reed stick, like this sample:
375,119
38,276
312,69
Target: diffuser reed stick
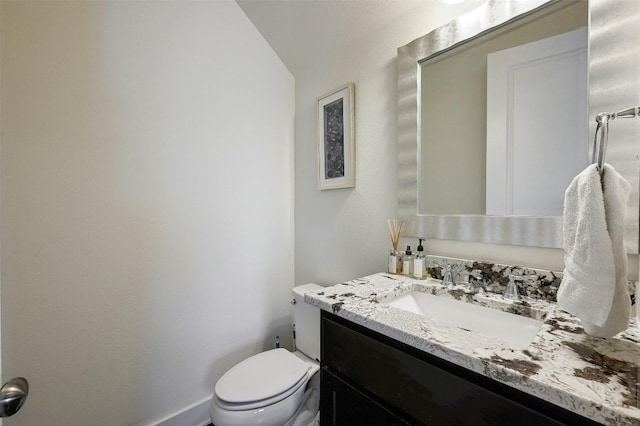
395,229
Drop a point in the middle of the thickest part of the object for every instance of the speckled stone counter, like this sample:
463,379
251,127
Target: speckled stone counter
596,378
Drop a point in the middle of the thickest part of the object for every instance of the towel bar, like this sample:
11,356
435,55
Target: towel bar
602,128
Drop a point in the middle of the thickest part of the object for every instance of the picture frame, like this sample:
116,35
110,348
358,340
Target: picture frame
335,116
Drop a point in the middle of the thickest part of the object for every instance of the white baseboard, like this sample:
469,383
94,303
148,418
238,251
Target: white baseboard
194,415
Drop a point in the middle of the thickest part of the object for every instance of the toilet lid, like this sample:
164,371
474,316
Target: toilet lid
261,376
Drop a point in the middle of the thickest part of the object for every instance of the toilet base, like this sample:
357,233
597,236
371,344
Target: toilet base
307,413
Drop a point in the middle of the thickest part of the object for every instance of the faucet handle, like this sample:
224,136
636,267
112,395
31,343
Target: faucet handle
512,292
445,267
447,275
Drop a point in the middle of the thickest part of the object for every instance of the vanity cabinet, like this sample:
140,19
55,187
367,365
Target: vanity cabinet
370,379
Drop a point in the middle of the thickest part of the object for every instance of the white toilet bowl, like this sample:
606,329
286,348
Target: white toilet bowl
269,388
276,387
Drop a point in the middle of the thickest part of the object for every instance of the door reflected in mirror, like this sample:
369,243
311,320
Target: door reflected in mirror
504,119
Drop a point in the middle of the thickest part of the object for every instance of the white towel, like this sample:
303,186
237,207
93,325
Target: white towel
594,286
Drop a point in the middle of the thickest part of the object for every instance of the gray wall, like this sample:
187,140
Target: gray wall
147,206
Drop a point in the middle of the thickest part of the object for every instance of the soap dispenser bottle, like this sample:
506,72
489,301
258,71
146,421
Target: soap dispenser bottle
420,263
407,262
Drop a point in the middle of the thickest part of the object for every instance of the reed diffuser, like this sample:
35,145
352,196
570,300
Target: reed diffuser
395,229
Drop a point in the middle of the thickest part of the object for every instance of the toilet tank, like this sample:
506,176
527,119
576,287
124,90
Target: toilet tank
306,320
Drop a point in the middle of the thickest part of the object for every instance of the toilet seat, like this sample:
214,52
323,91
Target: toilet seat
274,375
263,402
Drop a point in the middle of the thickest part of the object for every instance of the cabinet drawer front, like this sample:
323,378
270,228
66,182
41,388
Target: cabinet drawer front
424,391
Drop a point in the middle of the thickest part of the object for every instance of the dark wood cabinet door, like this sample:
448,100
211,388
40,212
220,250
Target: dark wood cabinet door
343,405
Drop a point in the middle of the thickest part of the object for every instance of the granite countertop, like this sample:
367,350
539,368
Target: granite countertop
594,377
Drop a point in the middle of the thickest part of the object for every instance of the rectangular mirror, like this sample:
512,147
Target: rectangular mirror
493,123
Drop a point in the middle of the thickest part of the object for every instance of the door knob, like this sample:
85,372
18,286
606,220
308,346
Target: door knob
13,394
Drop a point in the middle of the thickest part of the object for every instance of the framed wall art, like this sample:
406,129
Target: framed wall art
336,138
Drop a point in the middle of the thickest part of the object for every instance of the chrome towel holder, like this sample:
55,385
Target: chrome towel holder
602,128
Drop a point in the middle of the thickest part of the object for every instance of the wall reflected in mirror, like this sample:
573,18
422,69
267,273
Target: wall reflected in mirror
504,119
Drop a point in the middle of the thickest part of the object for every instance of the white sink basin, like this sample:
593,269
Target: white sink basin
515,330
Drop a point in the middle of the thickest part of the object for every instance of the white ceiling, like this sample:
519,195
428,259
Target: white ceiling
299,30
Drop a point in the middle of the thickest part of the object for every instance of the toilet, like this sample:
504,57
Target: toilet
275,387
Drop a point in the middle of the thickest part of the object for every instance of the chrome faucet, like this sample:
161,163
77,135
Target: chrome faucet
476,282
512,292
447,275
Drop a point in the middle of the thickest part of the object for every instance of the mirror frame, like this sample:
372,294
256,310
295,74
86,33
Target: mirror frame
511,230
